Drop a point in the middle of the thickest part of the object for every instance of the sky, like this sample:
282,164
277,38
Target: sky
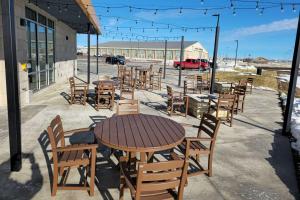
269,31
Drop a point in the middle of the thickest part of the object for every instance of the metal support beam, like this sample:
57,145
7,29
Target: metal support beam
89,55
165,59
97,57
12,84
236,52
213,73
286,129
181,60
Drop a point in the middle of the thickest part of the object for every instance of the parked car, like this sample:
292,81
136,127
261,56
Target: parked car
115,60
192,64
121,60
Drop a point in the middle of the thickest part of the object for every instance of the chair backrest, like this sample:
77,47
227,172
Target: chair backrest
160,70
56,136
104,87
240,90
150,68
250,80
72,84
209,124
170,92
127,107
166,175
226,100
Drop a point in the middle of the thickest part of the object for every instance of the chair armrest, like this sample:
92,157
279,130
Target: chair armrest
198,139
126,173
70,132
175,156
77,147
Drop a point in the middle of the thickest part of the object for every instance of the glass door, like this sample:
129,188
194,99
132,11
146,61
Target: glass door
42,56
50,47
33,76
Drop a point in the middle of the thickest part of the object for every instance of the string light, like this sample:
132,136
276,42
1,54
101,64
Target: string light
130,9
59,10
261,11
234,12
294,8
281,7
48,5
202,1
155,12
257,7
205,12
231,4
180,10
107,9
136,21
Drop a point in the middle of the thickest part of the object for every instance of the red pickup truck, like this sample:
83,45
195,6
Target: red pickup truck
192,64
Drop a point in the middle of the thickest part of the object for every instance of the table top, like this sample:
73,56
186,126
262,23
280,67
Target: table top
139,133
114,82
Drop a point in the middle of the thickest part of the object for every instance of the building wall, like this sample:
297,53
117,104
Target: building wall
194,51
65,52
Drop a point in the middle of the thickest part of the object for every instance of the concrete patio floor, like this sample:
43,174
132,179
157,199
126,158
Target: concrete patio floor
251,161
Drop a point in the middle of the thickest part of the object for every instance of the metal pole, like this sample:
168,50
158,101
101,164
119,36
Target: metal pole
165,61
181,59
286,129
213,74
236,52
89,54
12,84
97,57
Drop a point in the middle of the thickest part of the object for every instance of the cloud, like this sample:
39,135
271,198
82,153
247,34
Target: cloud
275,26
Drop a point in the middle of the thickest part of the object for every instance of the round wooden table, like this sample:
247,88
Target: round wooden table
114,82
139,133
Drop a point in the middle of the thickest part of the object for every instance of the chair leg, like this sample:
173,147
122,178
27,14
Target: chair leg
210,165
55,181
122,186
93,166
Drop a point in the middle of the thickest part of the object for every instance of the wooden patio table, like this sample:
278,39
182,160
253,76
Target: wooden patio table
114,82
139,133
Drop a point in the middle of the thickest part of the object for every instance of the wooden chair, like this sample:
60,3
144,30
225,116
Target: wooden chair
157,181
105,92
128,83
201,84
248,83
188,85
127,107
176,99
226,102
202,145
66,157
240,92
78,91
155,79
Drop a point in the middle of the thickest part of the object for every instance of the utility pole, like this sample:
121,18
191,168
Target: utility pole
213,74
97,56
165,59
286,128
12,84
236,52
181,60
89,55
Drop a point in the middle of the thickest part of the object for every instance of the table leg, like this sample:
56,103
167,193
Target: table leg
143,157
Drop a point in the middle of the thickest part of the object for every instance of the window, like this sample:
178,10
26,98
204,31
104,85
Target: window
50,24
42,20
30,14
